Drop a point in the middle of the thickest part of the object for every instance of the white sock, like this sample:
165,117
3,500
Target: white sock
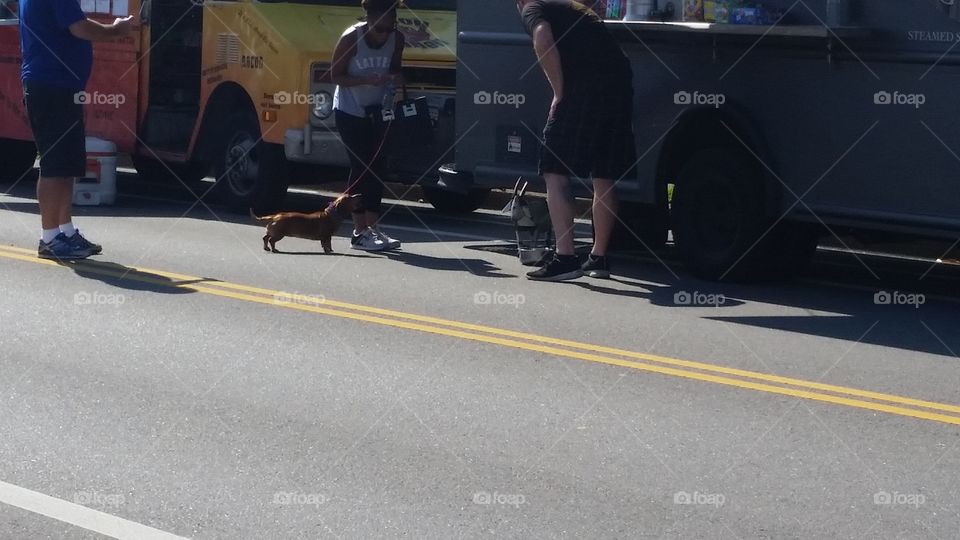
68,229
49,234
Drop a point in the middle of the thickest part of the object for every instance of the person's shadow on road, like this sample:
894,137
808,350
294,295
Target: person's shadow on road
124,277
477,267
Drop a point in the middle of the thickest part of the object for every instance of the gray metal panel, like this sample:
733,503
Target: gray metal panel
810,112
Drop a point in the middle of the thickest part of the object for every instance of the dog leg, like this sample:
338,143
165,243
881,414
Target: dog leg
273,244
266,239
327,245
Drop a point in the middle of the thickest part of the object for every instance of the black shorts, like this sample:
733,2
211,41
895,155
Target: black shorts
591,134
56,118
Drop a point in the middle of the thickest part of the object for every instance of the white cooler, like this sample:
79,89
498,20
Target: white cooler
99,184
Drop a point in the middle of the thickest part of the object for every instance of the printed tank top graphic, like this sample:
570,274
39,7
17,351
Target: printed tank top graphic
367,62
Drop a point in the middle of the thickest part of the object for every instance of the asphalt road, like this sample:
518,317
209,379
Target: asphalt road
188,384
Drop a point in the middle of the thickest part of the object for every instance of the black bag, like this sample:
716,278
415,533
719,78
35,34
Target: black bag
408,131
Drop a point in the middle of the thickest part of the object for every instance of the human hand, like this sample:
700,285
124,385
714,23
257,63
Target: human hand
123,25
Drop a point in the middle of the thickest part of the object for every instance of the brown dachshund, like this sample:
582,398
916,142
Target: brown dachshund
316,226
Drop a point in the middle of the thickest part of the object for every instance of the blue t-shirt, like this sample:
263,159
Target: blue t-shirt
51,54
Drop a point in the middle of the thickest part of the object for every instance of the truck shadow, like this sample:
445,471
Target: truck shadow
899,305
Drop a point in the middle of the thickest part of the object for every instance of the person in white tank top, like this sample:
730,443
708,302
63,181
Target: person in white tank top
366,61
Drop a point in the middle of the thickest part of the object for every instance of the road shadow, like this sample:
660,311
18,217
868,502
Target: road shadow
854,298
123,277
318,254
477,267
435,225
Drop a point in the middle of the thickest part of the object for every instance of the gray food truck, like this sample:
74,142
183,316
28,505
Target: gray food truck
770,136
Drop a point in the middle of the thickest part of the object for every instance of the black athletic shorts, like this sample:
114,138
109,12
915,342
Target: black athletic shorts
591,133
56,118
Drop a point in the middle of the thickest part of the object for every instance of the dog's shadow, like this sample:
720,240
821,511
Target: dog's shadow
320,254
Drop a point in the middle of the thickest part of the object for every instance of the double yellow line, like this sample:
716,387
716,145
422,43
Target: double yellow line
686,369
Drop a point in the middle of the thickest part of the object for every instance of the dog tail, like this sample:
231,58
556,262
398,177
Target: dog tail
260,219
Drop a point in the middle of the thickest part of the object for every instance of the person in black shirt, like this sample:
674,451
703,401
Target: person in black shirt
589,131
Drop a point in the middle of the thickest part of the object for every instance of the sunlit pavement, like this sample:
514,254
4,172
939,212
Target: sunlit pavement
188,384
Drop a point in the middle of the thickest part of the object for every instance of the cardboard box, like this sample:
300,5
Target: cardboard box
710,10
693,10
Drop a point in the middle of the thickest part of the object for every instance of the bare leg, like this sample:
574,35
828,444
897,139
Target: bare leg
66,203
372,219
55,196
561,211
604,214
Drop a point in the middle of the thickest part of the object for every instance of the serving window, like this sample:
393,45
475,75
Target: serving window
8,9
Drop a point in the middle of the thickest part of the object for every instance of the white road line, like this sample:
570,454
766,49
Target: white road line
81,516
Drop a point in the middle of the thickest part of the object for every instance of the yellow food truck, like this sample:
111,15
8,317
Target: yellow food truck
239,89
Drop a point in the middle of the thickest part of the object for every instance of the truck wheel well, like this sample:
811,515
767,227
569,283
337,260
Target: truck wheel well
227,98
712,128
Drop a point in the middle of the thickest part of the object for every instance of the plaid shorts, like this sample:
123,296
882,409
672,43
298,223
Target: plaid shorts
591,134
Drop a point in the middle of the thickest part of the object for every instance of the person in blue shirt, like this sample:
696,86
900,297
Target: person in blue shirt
55,40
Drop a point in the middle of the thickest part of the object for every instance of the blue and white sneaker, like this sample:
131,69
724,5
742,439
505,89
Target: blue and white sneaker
80,242
61,249
389,243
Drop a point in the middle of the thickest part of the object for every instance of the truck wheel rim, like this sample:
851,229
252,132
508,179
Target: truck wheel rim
718,211
242,165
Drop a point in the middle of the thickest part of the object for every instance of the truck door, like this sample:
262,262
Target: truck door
173,74
503,97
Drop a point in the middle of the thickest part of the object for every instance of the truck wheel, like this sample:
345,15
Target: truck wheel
153,170
448,202
719,215
640,227
250,173
16,160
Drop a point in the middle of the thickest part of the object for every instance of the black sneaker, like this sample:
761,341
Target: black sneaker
560,268
60,249
78,241
596,267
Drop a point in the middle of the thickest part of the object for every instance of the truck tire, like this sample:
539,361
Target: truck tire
16,160
640,227
719,216
448,202
250,173
153,170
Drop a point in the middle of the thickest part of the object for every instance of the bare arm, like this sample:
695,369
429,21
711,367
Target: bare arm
339,70
91,30
396,65
549,58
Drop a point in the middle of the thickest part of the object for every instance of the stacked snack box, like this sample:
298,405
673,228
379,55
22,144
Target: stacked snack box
722,11
693,10
729,11
598,6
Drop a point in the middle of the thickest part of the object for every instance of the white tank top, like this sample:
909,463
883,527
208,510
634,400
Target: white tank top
368,61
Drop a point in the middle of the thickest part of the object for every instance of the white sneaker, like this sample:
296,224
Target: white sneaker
390,243
367,241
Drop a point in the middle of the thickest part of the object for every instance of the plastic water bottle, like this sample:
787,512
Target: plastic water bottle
614,9
639,10
389,98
